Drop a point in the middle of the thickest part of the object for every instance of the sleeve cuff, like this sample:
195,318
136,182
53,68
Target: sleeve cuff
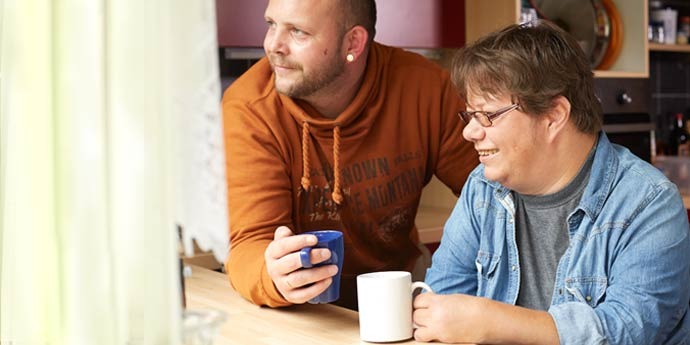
577,323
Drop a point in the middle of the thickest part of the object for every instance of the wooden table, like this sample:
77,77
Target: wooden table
248,324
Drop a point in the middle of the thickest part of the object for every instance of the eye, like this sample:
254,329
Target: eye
298,32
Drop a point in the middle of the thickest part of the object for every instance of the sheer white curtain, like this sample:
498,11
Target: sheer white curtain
98,98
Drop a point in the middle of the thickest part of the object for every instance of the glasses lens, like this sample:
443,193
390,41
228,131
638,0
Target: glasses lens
483,120
466,117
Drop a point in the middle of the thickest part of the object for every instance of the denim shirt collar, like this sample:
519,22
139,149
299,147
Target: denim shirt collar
604,170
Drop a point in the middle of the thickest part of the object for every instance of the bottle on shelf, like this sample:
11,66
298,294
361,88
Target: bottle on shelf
680,139
655,32
683,36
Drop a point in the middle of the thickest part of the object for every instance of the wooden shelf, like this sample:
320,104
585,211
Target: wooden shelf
619,74
659,47
482,17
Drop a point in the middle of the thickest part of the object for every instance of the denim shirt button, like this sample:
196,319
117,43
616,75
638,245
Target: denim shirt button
588,298
513,268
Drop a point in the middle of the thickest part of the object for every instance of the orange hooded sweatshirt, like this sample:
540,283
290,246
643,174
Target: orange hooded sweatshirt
361,173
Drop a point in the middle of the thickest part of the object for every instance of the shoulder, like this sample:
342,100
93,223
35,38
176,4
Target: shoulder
639,175
255,85
251,94
617,171
645,193
410,64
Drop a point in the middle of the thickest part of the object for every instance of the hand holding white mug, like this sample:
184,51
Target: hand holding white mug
385,305
298,285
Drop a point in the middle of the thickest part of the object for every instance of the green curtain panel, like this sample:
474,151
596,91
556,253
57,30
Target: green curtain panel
94,95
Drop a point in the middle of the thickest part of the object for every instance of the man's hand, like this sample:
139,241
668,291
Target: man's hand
466,319
295,283
446,318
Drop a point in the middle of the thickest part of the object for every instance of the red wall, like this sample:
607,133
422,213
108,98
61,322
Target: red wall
241,22
421,23
403,23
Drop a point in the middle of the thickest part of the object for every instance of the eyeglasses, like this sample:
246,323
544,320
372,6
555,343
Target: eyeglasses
485,117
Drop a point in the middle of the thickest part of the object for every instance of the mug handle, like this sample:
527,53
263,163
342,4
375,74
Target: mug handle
304,257
419,285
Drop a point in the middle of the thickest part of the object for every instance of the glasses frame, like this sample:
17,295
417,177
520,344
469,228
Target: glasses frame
485,118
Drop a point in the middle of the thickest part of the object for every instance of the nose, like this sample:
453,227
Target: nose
473,131
274,42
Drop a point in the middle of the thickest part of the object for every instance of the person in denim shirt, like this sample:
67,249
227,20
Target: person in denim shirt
559,236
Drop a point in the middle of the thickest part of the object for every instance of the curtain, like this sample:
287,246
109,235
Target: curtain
106,107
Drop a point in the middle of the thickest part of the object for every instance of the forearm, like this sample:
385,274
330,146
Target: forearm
507,324
246,269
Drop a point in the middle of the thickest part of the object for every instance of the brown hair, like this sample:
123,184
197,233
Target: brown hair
359,12
534,63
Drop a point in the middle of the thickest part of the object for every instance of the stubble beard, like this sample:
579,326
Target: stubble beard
309,84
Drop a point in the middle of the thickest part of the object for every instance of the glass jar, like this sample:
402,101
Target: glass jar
683,30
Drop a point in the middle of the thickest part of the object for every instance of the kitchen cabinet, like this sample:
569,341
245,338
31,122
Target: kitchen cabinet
482,17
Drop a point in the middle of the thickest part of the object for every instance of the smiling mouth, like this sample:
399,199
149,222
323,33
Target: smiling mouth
486,153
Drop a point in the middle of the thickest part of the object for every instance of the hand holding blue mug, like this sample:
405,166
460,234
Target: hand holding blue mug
285,266
333,241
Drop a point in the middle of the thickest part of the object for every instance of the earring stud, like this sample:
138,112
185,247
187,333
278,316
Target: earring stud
350,57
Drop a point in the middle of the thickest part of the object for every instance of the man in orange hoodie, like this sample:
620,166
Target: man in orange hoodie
332,130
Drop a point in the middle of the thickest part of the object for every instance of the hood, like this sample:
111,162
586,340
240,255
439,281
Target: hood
353,123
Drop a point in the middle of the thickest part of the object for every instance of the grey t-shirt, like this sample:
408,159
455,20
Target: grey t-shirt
542,237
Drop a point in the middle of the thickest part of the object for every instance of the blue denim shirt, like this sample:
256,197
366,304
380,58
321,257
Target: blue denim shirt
625,277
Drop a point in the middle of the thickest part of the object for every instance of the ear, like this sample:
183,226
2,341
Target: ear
355,42
558,117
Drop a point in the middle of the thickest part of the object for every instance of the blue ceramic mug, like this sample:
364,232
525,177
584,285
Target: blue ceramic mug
333,241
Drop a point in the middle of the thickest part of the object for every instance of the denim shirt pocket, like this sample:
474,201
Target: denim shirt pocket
486,267
589,290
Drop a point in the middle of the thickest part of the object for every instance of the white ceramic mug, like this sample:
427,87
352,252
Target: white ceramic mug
384,300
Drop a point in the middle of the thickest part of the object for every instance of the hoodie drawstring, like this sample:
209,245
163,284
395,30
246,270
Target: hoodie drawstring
305,156
337,194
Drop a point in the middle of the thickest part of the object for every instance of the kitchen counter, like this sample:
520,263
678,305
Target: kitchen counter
249,324
430,221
